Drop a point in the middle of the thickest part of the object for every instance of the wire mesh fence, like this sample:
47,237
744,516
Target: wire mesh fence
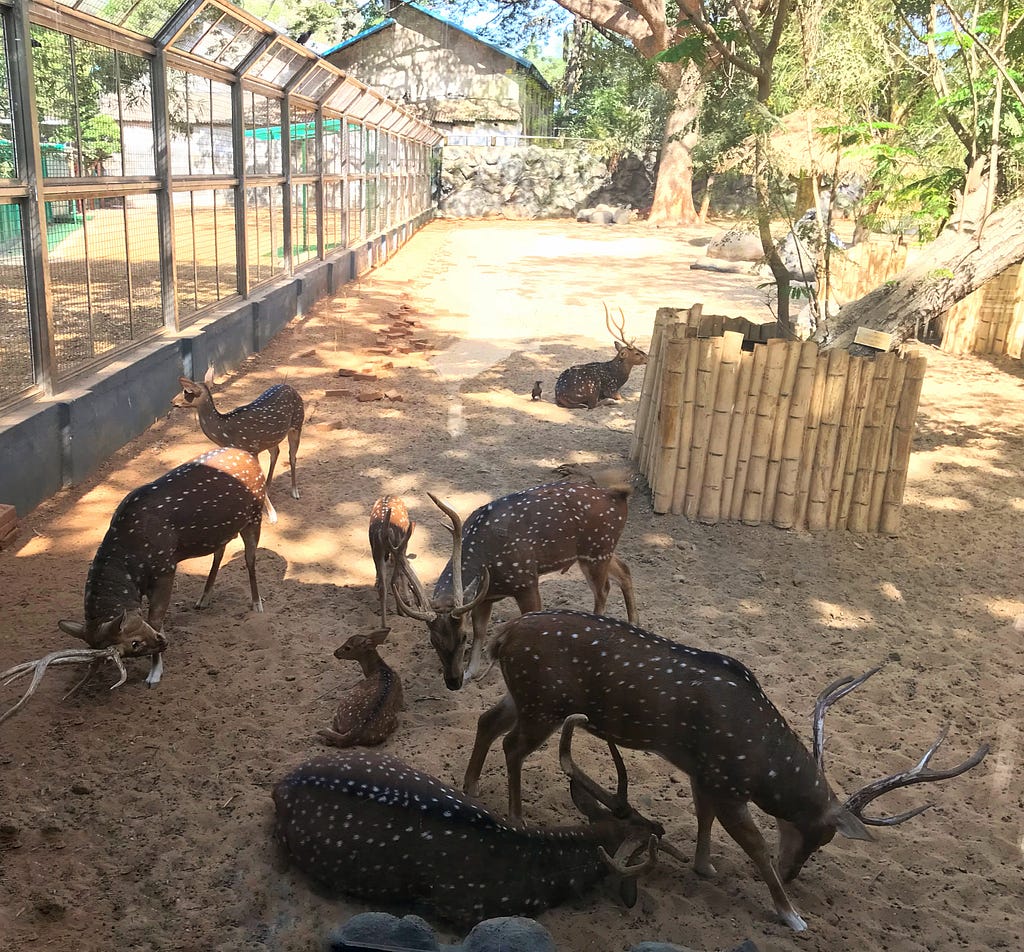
167,160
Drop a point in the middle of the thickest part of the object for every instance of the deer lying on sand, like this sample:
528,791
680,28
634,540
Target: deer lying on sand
368,713
369,825
261,425
194,510
390,532
585,385
507,545
704,713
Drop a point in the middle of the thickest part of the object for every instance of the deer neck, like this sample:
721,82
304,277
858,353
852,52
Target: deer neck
619,370
211,420
111,587
793,788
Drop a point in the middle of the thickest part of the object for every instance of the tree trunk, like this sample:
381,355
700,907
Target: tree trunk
673,192
948,270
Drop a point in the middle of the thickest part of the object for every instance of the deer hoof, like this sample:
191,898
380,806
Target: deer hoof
257,606
295,494
272,517
705,870
793,921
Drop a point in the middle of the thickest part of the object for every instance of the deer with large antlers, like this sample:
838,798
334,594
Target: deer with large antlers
193,510
585,385
507,545
703,712
369,825
276,413
390,530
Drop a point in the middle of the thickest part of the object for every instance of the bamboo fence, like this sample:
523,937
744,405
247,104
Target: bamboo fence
779,434
862,268
989,321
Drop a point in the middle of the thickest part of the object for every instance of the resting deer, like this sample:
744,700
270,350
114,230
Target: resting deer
369,825
261,425
504,549
704,713
390,532
585,385
368,713
194,510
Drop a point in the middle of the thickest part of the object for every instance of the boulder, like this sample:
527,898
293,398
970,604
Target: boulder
509,934
735,246
379,930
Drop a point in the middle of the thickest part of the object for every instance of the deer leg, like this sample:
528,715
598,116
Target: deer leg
619,571
704,806
159,602
204,599
251,539
293,449
492,722
736,819
481,618
519,743
275,451
528,600
596,573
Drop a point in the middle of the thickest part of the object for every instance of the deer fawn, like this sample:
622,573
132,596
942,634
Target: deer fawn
369,825
390,532
368,714
704,713
585,385
504,549
261,425
194,510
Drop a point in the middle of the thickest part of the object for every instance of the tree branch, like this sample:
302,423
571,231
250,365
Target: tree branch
618,18
996,62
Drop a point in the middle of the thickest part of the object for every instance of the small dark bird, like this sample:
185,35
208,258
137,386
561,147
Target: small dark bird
536,391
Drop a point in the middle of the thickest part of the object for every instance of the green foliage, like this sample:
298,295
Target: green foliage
101,138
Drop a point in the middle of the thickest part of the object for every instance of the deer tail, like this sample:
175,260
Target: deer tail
617,479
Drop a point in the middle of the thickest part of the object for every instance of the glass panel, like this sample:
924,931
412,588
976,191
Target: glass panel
333,146
142,16
94,103
334,215
8,158
302,140
16,371
262,135
304,223
370,161
198,27
143,231
370,207
355,212
204,248
200,115
277,65
355,148
313,86
265,230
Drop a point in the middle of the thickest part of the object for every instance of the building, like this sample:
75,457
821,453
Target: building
462,84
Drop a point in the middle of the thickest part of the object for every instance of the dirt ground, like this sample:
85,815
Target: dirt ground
140,819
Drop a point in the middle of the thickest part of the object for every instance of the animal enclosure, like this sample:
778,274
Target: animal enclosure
778,434
989,321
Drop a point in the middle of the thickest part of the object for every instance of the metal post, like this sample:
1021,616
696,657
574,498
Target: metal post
286,158
321,244
164,197
238,95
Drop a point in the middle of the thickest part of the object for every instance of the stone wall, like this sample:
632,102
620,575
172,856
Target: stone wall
534,182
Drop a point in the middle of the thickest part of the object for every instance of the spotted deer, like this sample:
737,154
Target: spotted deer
585,385
390,531
506,546
261,425
369,825
368,713
703,712
191,511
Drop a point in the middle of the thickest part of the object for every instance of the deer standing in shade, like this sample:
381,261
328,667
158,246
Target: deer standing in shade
276,413
507,545
585,385
703,712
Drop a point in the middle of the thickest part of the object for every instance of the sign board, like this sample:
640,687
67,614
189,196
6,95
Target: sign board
877,339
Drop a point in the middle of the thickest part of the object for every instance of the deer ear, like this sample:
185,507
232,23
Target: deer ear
847,824
74,628
628,891
619,346
379,636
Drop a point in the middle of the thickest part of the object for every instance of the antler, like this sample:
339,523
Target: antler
55,658
835,691
458,594
918,774
401,560
626,849
619,331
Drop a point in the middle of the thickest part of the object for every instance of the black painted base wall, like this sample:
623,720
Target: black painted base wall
57,441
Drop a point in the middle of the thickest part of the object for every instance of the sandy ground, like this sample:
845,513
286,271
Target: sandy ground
140,819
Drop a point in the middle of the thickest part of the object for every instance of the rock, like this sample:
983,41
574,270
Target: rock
378,930
660,947
509,934
367,396
600,217
622,216
720,264
735,246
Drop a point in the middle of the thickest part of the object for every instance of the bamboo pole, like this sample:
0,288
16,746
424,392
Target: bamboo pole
844,439
710,504
651,453
651,387
756,363
812,435
824,462
874,411
903,438
668,429
771,483
864,389
784,510
709,355
764,426
883,454
687,410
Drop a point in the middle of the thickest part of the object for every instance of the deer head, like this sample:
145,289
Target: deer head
625,350
448,620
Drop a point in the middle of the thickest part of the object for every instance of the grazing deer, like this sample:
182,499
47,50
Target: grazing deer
504,549
194,510
704,713
261,425
368,714
390,532
369,825
585,385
